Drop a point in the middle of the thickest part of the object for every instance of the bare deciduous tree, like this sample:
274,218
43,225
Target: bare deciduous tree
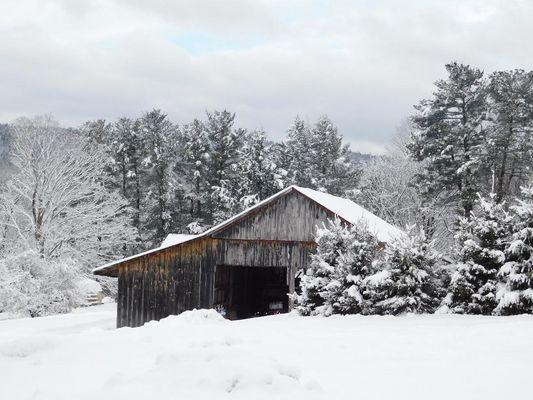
56,202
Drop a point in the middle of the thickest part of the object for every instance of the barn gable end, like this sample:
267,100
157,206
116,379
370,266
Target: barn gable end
292,217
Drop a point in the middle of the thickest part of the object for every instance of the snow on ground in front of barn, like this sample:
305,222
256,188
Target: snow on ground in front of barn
199,355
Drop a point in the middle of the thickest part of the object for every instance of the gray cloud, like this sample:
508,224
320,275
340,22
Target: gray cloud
364,63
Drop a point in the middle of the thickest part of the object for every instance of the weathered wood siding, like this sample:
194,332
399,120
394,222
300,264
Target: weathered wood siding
168,282
292,217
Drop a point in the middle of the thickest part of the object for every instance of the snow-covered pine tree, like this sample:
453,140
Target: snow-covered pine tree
225,143
98,131
515,293
448,135
194,171
332,171
258,173
161,138
481,243
298,156
315,157
121,140
136,152
355,264
343,259
331,241
406,280
509,151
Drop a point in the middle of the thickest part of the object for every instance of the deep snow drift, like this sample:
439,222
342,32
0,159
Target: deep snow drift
199,355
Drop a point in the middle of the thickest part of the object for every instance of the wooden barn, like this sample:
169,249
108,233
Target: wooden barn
243,267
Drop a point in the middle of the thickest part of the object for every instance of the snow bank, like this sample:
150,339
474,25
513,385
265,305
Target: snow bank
199,355
88,286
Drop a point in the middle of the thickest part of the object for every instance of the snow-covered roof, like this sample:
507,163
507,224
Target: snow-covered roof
353,213
343,208
175,238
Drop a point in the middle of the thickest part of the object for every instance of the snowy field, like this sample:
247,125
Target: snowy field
199,355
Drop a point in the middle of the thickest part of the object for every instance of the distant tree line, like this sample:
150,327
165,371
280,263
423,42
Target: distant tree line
185,178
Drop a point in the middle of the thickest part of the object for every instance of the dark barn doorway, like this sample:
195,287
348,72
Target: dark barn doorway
246,292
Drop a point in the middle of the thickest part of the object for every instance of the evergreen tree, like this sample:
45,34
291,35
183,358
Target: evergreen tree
259,175
225,143
331,241
406,281
121,140
298,157
449,134
136,150
194,170
343,259
481,241
333,172
509,150
515,295
345,293
161,138
97,131
316,157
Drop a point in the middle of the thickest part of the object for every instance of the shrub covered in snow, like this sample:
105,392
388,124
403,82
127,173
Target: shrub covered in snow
406,281
332,283
32,286
481,244
515,293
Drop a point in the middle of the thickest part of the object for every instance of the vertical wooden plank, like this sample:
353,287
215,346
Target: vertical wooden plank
133,298
120,295
129,297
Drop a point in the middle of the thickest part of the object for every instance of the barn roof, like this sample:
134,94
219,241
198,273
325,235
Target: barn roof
353,213
173,239
345,209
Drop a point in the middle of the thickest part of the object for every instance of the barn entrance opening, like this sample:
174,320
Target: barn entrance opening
246,292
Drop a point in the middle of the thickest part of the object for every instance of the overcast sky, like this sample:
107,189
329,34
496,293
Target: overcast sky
362,62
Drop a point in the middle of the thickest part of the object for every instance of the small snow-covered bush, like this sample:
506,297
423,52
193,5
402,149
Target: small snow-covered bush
332,283
32,286
406,281
515,291
481,243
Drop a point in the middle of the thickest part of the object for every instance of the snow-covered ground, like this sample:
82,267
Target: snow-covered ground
199,355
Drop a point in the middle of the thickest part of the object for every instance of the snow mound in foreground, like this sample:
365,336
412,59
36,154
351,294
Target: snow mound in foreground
195,355
197,316
198,355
